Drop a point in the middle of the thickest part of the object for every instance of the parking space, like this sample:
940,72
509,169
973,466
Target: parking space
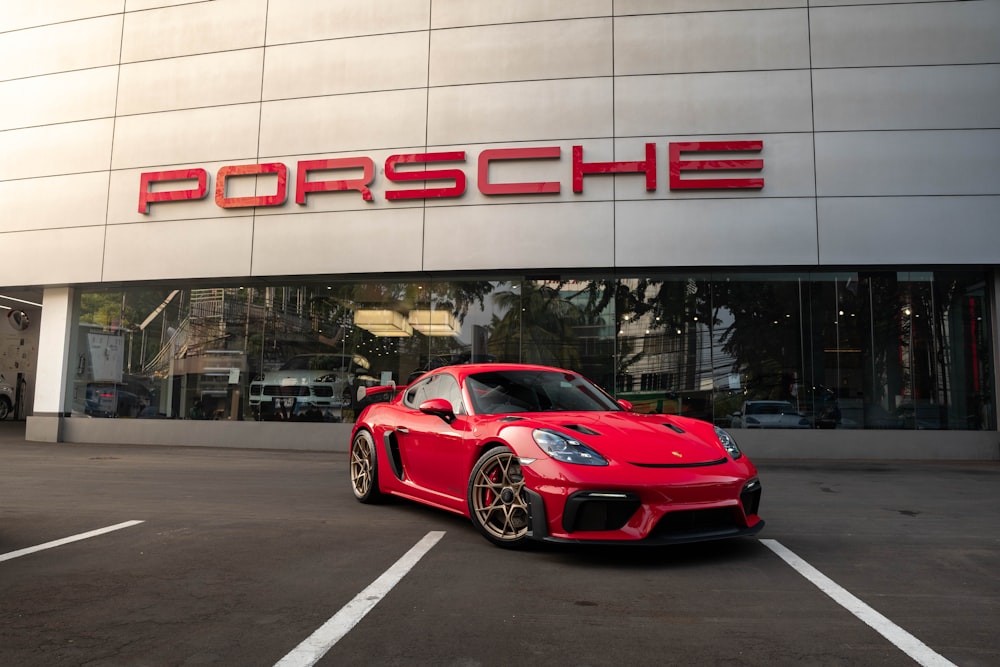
243,555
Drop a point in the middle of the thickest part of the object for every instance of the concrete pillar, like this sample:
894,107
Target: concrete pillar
53,368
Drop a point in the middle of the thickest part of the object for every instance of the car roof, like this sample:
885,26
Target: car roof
462,371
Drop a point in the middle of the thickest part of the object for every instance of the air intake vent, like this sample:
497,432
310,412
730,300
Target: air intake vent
675,428
581,429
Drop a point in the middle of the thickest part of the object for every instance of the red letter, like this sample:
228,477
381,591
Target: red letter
488,156
425,175
146,197
302,186
277,199
580,167
677,165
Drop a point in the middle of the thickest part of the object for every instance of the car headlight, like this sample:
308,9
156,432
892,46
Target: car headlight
566,449
728,442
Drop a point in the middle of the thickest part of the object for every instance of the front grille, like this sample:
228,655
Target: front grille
595,510
322,391
695,521
285,390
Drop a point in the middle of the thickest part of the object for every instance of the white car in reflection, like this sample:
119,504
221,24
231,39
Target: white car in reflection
769,414
307,387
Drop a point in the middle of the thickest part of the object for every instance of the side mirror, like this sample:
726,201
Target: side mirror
439,407
626,406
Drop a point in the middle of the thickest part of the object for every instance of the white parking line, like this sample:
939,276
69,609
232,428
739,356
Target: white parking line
903,640
318,643
66,540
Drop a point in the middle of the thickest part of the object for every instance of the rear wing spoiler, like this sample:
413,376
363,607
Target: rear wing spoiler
391,389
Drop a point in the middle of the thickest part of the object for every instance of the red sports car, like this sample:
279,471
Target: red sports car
538,453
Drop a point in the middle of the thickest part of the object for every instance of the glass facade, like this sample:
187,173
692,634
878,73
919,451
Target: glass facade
845,350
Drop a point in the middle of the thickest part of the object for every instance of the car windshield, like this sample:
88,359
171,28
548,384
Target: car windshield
507,391
770,408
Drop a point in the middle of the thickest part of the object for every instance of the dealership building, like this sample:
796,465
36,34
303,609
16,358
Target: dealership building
221,219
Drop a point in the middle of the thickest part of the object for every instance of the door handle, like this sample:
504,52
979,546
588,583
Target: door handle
402,429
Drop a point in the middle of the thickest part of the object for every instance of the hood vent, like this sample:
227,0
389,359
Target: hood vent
675,428
579,428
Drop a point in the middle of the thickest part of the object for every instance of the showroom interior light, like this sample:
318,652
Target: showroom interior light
435,322
383,322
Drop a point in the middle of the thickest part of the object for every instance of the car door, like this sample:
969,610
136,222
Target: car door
430,447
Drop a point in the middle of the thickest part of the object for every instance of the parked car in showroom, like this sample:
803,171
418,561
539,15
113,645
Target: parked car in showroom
7,397
534,453
769,414
308,387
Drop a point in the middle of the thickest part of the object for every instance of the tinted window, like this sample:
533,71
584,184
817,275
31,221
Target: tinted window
502,392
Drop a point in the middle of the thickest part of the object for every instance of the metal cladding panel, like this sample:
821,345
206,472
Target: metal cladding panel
343,66
712,42
71,255
883,98
908,230
181,137
74,200
896,35
334,242
716,232
21,15
907,163
519,236
713,103
206,27
459,13
41,100
308,20
626,7
80,45
360,122
49,150
521,52
178,249
215,79
520,111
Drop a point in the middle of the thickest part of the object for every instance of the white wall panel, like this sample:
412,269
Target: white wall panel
78,200
308,20
519,236
948,162
904,230
178,249
625,7
352,65
322,125
71,256
458,13
338,242
788,168
60,47
522,51
721,232
527,111
885,98
712,42
185,30
713,103
181,137
19,15
912,34
230,77
58,98
141,5
67,148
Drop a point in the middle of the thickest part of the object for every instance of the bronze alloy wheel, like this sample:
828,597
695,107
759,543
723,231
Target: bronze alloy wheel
364,468
497,500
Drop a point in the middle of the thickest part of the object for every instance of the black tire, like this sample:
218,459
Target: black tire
498,503
364,469
5,408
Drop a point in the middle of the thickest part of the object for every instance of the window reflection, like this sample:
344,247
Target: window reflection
847,350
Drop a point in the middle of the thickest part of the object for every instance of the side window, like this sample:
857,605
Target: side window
417,394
